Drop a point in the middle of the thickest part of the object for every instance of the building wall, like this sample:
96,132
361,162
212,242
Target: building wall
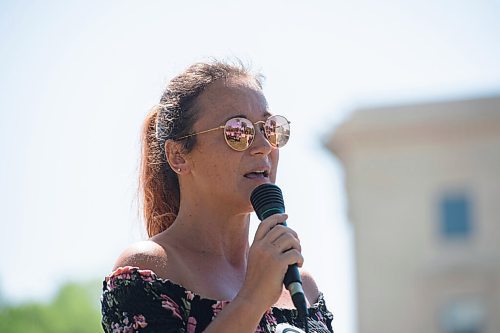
399,163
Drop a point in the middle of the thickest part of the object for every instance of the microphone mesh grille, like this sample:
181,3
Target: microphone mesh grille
266,196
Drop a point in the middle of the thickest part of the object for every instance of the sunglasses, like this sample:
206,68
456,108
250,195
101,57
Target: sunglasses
240,132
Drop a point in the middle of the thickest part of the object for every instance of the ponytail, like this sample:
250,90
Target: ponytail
158,183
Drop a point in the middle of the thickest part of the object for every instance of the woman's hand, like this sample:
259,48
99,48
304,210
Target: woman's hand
275,246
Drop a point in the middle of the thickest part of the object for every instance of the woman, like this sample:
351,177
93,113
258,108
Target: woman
206,146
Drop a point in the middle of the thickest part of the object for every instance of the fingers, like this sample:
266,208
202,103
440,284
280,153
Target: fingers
278,241
285,241
278,231
293,257
276,237
267,224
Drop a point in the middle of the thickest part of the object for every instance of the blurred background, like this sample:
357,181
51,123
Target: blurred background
390,177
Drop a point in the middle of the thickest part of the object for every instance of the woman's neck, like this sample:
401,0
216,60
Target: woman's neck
218,234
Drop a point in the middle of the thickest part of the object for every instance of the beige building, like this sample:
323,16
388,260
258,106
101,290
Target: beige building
423,188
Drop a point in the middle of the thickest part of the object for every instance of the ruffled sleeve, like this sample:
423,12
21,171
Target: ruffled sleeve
320,318
320,312
135,300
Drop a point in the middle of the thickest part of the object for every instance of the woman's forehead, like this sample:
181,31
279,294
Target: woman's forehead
233,96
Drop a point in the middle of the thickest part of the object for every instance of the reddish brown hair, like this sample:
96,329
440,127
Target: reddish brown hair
172,118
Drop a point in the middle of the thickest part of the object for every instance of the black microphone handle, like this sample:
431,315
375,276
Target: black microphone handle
267,200
293,283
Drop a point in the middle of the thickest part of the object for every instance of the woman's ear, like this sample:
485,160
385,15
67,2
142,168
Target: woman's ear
175,154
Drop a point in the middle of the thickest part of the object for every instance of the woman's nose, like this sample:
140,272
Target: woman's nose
260,144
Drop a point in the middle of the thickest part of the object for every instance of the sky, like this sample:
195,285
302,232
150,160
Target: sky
78,77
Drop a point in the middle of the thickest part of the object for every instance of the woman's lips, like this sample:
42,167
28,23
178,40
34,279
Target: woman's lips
257,175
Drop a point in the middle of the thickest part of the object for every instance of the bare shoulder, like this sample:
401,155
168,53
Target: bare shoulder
309,285
144,255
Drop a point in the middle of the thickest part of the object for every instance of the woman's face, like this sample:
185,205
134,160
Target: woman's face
219,172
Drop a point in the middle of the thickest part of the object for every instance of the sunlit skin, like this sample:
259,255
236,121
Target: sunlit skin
206,250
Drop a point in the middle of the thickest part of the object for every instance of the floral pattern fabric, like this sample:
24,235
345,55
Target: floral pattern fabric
135,300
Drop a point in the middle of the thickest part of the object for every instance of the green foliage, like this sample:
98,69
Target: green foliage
75,309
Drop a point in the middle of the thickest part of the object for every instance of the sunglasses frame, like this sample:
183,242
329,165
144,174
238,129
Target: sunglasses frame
225,136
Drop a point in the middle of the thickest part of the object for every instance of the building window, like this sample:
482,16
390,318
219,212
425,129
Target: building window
463,316
455,219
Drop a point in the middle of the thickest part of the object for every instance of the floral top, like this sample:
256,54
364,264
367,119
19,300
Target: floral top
135,300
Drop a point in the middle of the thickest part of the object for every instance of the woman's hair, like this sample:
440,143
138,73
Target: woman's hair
172,118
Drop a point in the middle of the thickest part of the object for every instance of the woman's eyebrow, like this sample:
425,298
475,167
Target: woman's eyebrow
266,114
236,116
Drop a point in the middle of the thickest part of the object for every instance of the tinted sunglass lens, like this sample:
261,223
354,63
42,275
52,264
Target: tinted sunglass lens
277,130
239,133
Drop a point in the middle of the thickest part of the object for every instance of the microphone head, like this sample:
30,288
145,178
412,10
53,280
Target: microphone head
267,199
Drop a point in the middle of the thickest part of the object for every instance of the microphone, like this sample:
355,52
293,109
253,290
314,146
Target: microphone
267,200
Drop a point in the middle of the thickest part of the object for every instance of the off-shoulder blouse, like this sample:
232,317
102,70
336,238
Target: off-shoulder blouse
135,300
